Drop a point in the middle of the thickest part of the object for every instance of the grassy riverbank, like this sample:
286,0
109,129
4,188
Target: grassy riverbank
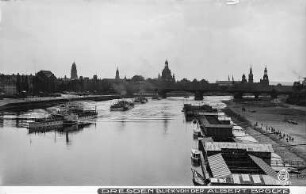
274,114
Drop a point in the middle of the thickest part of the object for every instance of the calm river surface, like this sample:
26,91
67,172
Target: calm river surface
147,145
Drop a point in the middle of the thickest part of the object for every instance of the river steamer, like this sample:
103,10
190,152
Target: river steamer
122,105
156,97
54,121
141,100
63,116
51,122
79,110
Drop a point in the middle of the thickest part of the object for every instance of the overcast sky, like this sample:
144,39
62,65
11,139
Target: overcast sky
208,39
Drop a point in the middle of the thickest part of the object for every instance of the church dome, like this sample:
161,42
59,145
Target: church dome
166,73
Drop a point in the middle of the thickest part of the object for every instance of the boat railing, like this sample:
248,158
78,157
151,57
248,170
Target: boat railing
203,167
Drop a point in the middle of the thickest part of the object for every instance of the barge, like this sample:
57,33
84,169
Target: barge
231,163
227,160
193,111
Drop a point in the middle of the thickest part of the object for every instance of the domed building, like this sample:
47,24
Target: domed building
166,74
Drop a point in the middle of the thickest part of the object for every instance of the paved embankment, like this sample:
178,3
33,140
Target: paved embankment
265,116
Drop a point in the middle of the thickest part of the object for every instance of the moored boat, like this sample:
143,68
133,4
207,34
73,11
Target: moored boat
140,99
195,157
71,119
122,105
156,97
81,111
50,122
197,179
64,115
196,129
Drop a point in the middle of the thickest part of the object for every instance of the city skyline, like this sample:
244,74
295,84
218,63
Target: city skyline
73,76
136,36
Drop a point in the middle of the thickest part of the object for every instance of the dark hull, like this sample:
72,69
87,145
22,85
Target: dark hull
197,179
198,183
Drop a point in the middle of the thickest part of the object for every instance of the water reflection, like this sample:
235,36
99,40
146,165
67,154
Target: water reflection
165,126
1,120
67,139
62,130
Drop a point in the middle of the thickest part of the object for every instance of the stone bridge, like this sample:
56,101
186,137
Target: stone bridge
237,90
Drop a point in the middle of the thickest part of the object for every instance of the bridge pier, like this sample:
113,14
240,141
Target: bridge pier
238,95
162,94
273,94
198,95
256,95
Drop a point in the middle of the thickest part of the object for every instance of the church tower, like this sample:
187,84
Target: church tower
251,76
117,74
74,73
243,79
265,78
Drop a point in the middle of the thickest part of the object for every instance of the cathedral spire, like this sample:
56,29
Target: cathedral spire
251,75
266,71
265,78
117,74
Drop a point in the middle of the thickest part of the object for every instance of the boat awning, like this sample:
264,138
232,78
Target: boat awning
264,166
218,166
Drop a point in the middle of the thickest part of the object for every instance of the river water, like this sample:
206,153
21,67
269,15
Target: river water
147,145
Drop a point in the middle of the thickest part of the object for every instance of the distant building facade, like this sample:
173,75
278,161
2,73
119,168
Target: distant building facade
263,82
224,83
15,84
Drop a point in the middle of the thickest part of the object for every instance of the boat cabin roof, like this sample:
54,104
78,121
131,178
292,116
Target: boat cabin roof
254,172
236,127
212,121
249,147
195,151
